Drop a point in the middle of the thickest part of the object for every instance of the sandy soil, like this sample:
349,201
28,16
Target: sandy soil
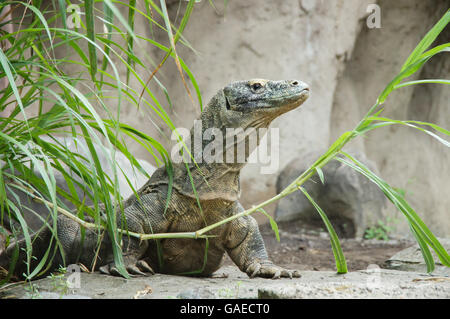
310,249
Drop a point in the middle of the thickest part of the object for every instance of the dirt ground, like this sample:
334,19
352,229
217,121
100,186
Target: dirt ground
310,249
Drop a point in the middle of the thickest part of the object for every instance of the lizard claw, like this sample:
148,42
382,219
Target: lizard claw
253,269
110,269
140,268
268,270
134,270
142,265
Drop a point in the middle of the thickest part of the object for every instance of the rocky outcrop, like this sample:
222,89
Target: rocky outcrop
411,259
350,200
328,45
406,158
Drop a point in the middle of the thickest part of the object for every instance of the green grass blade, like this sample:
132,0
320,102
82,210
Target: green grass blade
429,261
183,65
320,173
398,200
62,10
39,15
383,121
184,21
273,223
6,68
109,18
119,17
25,232
341,263
131,13
410,69
89,12
436,81
427,40
173,42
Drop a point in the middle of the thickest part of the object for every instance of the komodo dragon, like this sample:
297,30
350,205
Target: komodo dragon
242,104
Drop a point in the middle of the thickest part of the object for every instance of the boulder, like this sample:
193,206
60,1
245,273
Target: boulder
411,259
350,200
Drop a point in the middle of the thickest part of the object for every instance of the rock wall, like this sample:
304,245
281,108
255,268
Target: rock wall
305,40
406,158
328,45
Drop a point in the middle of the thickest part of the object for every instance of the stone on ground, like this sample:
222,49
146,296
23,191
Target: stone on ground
411,259
350,200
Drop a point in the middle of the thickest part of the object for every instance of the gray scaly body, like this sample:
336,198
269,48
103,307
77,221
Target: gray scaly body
243,104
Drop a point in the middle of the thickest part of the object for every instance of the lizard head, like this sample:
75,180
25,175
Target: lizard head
263,98
230,125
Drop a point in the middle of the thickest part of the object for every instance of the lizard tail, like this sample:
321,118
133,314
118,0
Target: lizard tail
17,252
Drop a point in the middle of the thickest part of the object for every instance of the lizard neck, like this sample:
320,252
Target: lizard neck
227,132
220,150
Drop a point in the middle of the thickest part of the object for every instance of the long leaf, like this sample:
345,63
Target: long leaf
383,121
339,257
398,200
427,81
273,223
427,40
89,12
429,261
131,13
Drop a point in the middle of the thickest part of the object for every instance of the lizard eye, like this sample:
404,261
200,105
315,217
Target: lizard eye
256,86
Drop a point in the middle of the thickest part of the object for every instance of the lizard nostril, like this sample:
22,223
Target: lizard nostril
294,83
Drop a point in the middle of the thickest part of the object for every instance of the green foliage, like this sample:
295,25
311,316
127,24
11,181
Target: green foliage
370,121
341,263
229,293
42,102
379,231
32,292
420,55
273,224
59,284
70,104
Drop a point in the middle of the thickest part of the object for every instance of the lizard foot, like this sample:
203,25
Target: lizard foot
267,269
140,268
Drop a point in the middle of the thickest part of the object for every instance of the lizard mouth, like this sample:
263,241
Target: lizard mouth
287,101
302,95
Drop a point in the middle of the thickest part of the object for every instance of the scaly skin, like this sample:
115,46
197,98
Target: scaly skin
243,104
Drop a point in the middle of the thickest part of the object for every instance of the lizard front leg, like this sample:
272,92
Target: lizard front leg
246,248
144,216
132,259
